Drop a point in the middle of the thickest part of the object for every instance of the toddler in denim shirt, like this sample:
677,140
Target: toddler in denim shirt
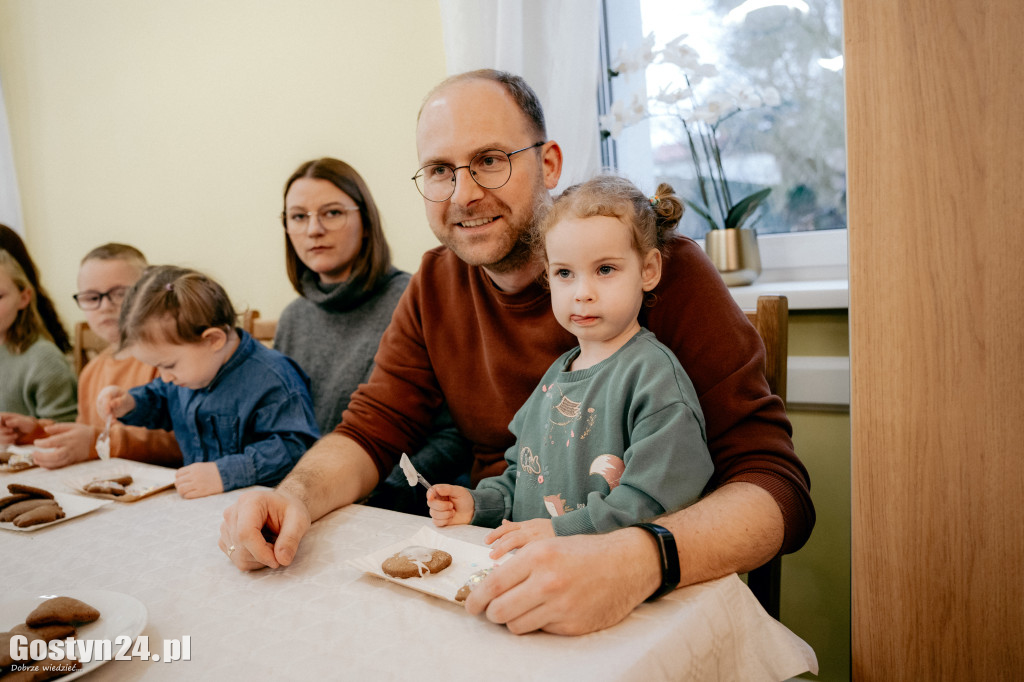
242,413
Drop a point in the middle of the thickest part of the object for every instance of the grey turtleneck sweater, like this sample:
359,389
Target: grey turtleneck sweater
333,332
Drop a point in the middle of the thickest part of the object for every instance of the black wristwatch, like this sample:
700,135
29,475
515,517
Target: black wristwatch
669,558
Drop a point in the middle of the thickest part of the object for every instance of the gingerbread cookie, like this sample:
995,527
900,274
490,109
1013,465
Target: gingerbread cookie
471,582
104,488
21,489
62,610
44,632
414,562
44,513
13,511
11,499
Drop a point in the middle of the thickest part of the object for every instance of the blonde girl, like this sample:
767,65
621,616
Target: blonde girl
35,377
241,413
614,433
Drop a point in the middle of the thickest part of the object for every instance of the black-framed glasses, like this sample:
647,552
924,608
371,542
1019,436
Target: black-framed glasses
92,300
331,217
490,169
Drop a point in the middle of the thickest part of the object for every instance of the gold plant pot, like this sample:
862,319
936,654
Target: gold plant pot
734,252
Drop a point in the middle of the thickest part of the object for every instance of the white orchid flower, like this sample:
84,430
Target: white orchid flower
629,61
771,97
622,115
680,54
673,95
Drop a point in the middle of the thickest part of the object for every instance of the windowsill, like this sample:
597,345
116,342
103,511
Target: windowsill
823,288
822,285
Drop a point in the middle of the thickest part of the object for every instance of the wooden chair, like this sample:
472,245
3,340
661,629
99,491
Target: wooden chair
771,319
260,329
88,345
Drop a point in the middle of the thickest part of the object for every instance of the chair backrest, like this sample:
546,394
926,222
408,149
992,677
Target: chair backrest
771,319
260,329
88,344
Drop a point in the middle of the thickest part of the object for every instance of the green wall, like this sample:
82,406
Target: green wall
816,579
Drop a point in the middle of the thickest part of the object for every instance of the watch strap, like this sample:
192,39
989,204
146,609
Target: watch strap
669,558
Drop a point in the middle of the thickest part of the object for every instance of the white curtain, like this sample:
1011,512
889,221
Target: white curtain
553,44
10,204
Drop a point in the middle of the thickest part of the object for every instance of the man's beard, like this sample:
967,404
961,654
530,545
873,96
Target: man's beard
520,251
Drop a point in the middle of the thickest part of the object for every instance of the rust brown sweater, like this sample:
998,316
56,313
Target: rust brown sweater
455,337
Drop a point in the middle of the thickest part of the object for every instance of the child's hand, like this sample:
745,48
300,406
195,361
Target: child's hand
114,400
14,426
198,480
450,505
70,443
514,535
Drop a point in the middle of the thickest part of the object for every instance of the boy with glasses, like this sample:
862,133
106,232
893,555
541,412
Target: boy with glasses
104,277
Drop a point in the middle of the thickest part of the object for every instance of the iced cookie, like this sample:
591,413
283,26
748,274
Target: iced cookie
104,488
471,582
414,562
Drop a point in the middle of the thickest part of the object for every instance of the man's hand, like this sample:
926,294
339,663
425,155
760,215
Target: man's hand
513,535
263,528
70,443
555,585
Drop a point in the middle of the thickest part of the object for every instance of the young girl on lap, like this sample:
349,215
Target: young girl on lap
614,433
241,413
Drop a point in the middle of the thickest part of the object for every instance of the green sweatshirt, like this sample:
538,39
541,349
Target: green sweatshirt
603,447
39,383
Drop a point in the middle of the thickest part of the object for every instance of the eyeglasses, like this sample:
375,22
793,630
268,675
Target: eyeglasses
330,217
92,300
490,169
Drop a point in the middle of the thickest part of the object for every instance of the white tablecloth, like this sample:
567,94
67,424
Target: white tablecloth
322,619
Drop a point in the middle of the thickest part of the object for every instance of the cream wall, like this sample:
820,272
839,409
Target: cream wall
173,126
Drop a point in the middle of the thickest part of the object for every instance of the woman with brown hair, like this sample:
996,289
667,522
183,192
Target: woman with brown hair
339,262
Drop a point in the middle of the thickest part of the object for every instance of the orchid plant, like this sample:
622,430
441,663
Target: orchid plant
700,121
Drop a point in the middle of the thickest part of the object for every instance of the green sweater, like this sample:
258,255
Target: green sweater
603,447
38,383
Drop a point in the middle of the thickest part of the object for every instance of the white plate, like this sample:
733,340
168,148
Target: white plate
467,559
73,505
120,615
145,482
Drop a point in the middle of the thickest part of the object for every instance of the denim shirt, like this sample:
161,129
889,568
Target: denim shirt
255,419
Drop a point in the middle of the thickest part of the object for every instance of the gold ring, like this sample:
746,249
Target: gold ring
230,550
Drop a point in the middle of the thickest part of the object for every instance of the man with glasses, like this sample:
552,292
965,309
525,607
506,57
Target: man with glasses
475,329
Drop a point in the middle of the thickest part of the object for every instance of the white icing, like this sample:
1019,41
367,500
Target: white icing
417,553
408,469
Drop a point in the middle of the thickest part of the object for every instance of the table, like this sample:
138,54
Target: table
320,618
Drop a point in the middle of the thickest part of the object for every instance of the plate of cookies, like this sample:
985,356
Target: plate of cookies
29,508
88,615
432,563
18,457
121,485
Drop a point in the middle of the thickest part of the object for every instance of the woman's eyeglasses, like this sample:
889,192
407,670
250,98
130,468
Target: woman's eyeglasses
330,218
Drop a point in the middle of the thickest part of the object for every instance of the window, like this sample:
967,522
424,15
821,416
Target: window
795,147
